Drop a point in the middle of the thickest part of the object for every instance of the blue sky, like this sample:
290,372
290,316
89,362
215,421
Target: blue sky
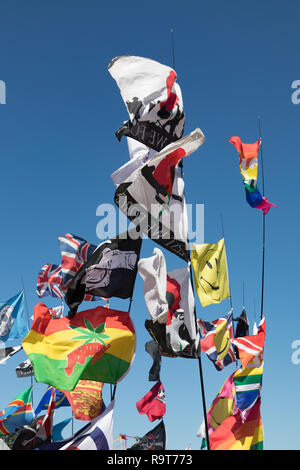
235,61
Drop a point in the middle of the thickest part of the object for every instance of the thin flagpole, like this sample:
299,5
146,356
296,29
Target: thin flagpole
28,324
264,224
223,235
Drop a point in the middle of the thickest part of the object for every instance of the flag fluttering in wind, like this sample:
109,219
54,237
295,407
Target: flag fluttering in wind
221,408
55,279
109,272
96,435
248,158
170,303
216,339
6,353
97,344
234,434
58,428
153,440
148,196
251,348
242,327
86,399
152,348
24,369
13,321
17,413
139,154
153,100
153,404
210,272
60,400
248,383
49,281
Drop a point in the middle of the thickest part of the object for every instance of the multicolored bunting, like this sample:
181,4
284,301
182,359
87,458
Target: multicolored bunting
13,320
251,348
153,440
98,344
234,434
153,100
60,400
210,272
17,413
216,340
146,196
248,157
109,272
153,404
86,399
96,435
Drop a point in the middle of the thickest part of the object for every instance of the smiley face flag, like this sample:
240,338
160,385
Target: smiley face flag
210,272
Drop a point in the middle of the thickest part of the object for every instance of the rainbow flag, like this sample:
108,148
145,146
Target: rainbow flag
248,158
97,344
234,434
17,413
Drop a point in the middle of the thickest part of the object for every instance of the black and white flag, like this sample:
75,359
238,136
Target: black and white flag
109,272
6,353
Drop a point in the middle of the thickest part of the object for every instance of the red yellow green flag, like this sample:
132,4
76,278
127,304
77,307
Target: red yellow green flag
97,344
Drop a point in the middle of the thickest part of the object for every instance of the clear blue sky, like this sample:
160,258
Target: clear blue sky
235,61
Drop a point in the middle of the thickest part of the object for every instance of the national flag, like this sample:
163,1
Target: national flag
109,272
6,353
148,196
44,431
154,440
153,100
251,348
13,321
17,413
153,404
170,302
151,347
248,383
60,400
86,399
49,281
234,434
210,272
98,344
96,435
248,158
216,339
24,369
221,408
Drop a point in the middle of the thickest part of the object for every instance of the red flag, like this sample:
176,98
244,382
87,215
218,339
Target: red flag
153,404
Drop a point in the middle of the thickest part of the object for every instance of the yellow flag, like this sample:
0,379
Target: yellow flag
210,272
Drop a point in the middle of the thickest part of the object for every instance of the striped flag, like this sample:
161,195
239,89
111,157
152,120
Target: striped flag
248,383
251,348
17,413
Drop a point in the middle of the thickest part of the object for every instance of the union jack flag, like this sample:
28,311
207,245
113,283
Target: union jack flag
49,281
216,340
55,279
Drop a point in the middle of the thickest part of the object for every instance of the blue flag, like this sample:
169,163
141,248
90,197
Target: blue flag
57,430
13,322
60,398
